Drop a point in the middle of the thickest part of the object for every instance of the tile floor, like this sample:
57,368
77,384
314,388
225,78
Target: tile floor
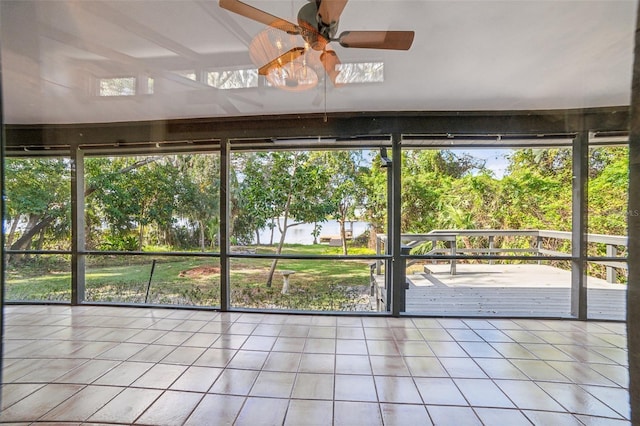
111,365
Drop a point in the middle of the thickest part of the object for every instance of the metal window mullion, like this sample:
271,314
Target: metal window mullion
579,217
397,267
77,227
225,302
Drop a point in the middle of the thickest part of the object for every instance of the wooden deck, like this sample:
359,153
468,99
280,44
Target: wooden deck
508,290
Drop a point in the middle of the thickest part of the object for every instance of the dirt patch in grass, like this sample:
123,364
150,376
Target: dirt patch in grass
200,271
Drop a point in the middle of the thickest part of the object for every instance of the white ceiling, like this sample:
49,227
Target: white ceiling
467,55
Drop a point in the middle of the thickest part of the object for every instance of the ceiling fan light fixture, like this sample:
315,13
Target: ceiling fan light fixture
282,61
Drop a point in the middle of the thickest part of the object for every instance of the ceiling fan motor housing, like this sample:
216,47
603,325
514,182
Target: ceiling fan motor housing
320,33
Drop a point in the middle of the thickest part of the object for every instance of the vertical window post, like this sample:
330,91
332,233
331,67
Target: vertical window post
579,218
225,301
395,240
77,227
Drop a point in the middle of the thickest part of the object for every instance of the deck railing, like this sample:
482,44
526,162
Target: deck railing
450,248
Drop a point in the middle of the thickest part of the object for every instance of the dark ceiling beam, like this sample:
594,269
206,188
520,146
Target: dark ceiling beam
337,125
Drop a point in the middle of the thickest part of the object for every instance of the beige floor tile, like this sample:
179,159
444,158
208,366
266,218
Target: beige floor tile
425,366
483,393
577,400
289,344
223,408
234,382
353,364
463,368
83,404
453,416
250,360
551,418
146,336
122,351
273,384
229,341
88,372
528,396
313,386
309,413
397,389
52,369
282,361
502,416
320,346
215,357
197,379
259,343
383,347
201,340
160,376
262,411
183,355
39,402
172,408
152,353
317,363
388,366
14,392
328,332
355,388
404,414
127,406
124,374
439,391
356,413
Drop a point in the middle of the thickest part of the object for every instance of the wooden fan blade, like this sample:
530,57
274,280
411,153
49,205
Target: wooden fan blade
330,60
330,10
258,15
282,60
394,40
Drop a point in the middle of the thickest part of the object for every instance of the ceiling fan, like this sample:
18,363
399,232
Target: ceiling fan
318,25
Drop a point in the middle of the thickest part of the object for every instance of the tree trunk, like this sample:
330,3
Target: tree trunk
343,236
12,231
201,226
283,234
33,228
633,219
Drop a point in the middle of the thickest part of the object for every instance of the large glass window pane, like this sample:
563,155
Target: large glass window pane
38,278
463,202
302,285
308,204
37,220
162,204
153,203
158,280
607,231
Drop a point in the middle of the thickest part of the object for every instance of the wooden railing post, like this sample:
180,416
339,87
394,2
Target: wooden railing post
453,253
378,252
538,248
491,261
612,272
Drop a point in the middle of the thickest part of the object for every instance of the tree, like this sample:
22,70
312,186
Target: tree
37,190
198,194
133,192
287,187
346,187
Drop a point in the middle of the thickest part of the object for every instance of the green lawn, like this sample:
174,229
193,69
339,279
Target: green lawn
333,285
